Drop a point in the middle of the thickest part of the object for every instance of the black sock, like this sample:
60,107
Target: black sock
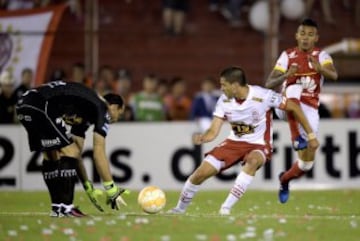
67,179
51,175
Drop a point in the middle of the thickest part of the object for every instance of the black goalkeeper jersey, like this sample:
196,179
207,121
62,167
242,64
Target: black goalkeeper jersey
79,106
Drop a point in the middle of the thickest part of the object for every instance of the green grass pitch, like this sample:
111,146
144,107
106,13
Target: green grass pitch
308,216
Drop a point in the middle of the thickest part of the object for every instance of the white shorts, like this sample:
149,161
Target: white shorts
311,114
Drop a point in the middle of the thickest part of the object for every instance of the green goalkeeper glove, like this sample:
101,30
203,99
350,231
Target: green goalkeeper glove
93,194
114,198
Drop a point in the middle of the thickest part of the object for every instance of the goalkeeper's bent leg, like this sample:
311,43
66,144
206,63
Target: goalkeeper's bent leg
50,174
67,179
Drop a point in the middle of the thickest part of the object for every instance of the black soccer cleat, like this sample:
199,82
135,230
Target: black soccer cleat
75,213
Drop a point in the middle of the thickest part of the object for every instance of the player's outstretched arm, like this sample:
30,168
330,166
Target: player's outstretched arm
211,133
301,118
113,191
92,193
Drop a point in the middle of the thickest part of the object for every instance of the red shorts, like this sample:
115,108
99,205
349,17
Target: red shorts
232,152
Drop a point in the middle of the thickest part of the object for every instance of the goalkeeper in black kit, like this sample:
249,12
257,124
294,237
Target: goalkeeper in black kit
47,113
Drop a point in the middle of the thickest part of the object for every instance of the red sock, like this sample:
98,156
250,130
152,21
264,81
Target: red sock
293,124
293,173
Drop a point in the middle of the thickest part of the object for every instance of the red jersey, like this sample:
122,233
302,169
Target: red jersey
306,75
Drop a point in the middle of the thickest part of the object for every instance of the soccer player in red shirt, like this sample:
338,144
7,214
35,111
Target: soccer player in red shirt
301,72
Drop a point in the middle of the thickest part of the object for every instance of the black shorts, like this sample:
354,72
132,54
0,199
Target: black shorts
45,128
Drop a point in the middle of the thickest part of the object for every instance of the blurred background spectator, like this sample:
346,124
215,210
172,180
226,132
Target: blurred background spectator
174,16
147,104
27,78
177,103
230,10
163,88
106,81
325,9
123,88
78,75
7,100
204,103
57,75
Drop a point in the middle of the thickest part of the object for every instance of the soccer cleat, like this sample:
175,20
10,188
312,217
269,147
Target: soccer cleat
75,213
284,192
224,211
175,211
299,143
56,212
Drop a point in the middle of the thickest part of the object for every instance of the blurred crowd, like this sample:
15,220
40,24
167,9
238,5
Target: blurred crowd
158,99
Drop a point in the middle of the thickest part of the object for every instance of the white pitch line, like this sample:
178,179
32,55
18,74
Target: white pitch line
252,216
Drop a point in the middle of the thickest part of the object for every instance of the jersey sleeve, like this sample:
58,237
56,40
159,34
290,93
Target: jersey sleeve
282,62
79,130
325,58
102,122
275,100
219,108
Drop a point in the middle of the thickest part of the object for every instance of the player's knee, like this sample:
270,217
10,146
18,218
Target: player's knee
255,160
305,165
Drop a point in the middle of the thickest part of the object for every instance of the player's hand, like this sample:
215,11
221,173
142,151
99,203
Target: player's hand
114,193
294,67
93,194
315,63
197,139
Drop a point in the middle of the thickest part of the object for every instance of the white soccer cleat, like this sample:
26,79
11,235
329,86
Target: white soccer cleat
175,211
224,211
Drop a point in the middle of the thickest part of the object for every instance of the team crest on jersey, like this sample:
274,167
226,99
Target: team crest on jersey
255,116
241,128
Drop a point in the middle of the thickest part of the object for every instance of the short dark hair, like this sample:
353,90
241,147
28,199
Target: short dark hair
309,22
234,74
114,99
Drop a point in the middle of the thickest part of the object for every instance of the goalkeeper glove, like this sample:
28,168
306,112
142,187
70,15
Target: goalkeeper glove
93,194
114,198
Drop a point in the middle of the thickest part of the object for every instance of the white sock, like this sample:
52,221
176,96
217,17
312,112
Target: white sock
188,192
67,208
237,191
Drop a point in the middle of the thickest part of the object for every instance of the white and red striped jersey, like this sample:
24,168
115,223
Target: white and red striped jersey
250,119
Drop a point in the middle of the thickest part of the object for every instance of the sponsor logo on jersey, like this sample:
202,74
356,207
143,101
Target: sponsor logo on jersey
255,116
50,142
257,99
241,128
307,83
24,118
